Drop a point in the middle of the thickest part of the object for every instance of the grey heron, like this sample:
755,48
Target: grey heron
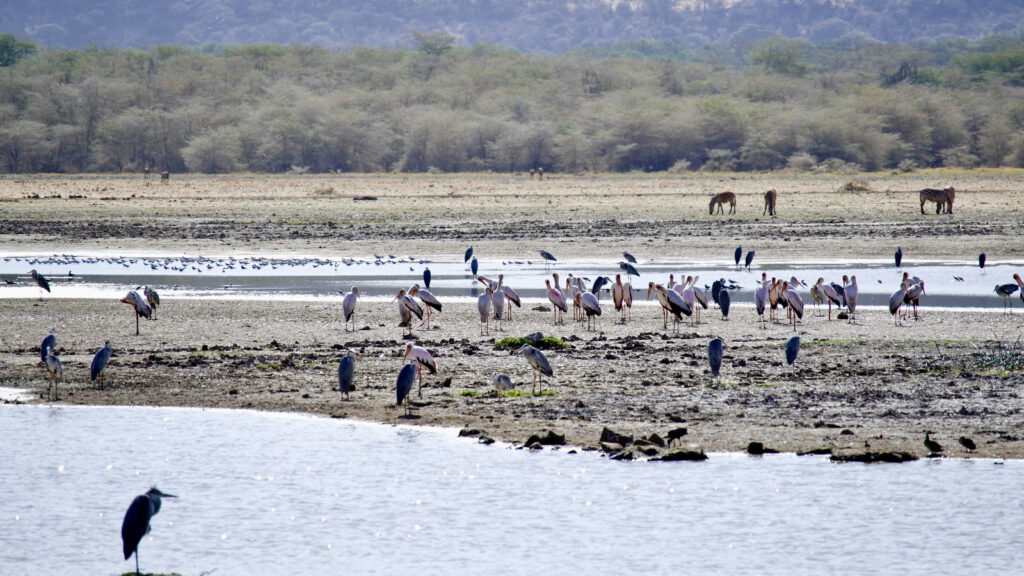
347,373
629,258
715,356
56,370
724,301
502,383
469,254
539,362
136,521
981,260
41,282
749,259
426,277
737,255
99,361
792,349
48,342
406,376
898,256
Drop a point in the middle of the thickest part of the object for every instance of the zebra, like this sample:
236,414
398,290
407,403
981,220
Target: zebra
769,203
720,199
942,198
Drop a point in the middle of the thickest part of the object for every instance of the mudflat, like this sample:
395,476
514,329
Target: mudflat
867,386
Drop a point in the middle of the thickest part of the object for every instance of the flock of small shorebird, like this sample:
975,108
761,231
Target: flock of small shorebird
677,299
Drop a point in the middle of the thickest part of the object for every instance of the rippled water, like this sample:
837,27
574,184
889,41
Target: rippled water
277,494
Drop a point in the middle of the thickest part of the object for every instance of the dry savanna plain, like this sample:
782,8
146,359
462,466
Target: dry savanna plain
869,387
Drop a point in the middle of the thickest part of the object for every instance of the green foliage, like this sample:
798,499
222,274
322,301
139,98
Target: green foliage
780,55
545,343
1007,65
12,50
434,44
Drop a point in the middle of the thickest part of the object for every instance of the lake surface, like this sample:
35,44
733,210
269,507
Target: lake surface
271,494
947,284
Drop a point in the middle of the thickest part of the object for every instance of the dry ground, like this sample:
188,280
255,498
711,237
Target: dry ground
866,387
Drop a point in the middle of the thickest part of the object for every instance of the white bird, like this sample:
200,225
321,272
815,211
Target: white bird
760,300
851,296
429,301
557,300
511,296
138,301
348,307
406,308
498,302
483,306
423,360
591,307
794,302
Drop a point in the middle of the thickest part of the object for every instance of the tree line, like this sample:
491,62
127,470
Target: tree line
777,103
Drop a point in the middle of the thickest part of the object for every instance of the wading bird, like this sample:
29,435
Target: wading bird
794,302
56,370
348,307
749,259
498,302
896,302
423,359
715,356
913,296
898,256
406,376
511,296
934,448
469,254
792,349
591,307
981,260
138,301
347,373
540,365
737,255
426,277
851,291
474,266
629,258
1006,291
968,444
41,282
629,269
428,299
48,342
99,361
548,256
152,298
136,521
760,300
483,306
502,383
557,301
724,301
407,307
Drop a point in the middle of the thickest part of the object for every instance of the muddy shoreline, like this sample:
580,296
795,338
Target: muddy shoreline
856,388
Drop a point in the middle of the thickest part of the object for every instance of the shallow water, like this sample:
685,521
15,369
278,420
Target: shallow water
275,494
948,284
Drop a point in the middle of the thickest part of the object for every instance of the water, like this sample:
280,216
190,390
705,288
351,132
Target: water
276,494
948,284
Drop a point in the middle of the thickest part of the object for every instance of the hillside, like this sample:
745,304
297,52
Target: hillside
531,26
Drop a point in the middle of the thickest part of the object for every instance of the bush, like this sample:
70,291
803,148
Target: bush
801,162
680,166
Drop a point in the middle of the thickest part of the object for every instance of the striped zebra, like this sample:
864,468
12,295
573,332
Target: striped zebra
942,198
769,202
720,199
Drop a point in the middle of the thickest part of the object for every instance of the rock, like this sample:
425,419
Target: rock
614,437
874,457
535,446
470,433
815,452
622,455
548,439
485,439
846,432
657,440
611,447
682,455
757,448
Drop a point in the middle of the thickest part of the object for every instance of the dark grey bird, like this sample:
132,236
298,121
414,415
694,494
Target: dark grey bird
41,282
792,349
599,283
539,362
629,269
715,355
840,291
548,256
403,385
716,290
99,361
152,298
474,266
56,370
502,383
968,444
981,260
136,521
724,302
347,373
750,258
426,277
899,256
48,342
738,254
1006,290
629,258
469,254
932,446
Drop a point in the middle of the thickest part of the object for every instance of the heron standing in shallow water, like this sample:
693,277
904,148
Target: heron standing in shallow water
41,282
136,521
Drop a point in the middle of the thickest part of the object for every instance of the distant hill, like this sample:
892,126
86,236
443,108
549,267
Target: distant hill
527,25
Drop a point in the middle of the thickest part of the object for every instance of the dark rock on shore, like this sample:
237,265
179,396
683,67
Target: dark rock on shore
608,436
874,457
682,456
757,449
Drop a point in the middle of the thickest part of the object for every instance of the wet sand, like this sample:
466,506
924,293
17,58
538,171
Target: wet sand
855,388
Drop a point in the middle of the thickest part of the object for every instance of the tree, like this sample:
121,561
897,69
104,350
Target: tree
12,50
434,44
780,55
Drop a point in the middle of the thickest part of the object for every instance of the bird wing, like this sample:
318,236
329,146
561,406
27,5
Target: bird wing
135,525
346,373
540,362
99,362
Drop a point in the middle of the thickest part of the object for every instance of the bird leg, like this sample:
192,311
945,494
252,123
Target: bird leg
419,372
136,323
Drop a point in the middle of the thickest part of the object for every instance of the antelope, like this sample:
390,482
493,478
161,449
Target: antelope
720,199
